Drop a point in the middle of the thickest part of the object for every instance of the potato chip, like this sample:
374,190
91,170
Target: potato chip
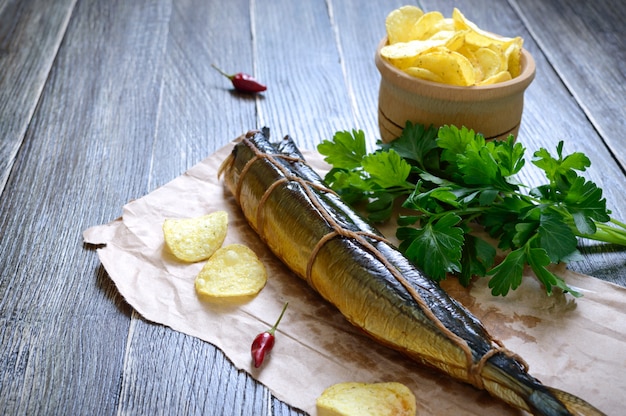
400,23
233,271
428,25
489,62
195,239
499,77
468,51
438,24
452,67
404,54
475,35
513,55
422,73
433,44
454,40
366,399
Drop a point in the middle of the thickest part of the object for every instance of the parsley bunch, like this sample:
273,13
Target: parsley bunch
451,180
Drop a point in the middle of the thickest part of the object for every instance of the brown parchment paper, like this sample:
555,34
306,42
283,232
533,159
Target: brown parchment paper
576,345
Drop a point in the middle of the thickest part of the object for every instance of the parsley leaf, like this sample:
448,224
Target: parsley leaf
478,255
387,169
554,167
508,274
451,181
584,201
415,143
557,237
441,241
346,150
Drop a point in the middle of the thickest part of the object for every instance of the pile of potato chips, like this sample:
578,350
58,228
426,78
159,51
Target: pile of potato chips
449,50
231,271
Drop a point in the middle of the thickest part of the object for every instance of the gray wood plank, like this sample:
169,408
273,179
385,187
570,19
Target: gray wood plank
86,152
309,97
585,43
359,30
199,109
166,371
30,34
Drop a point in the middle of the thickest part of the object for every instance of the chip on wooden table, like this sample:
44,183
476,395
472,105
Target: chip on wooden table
233,271
367,399
195,239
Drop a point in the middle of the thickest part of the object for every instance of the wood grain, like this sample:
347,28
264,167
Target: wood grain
308,98
86,152
359,30
102,102
30,34
585,43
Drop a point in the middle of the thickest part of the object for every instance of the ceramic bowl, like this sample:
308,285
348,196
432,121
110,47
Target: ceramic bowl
493,110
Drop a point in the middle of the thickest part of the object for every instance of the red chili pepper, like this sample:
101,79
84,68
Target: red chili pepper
243,82
264,342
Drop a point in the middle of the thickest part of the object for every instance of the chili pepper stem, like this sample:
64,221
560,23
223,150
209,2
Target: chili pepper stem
229,76
243,82
273,329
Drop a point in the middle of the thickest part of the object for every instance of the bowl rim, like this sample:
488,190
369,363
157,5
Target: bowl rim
435,89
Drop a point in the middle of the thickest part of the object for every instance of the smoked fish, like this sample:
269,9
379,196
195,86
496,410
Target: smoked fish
351,265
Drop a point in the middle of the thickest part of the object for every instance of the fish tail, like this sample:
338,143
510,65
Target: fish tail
510,382
574,404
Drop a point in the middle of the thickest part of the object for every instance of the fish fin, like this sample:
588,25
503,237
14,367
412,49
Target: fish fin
226,164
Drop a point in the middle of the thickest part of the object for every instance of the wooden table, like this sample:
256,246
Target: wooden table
102,102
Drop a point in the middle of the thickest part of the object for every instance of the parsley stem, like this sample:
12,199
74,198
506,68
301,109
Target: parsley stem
608,234
619,223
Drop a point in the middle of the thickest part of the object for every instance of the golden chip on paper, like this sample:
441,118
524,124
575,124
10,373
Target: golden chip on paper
233,271
400,23
195,239
366,399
